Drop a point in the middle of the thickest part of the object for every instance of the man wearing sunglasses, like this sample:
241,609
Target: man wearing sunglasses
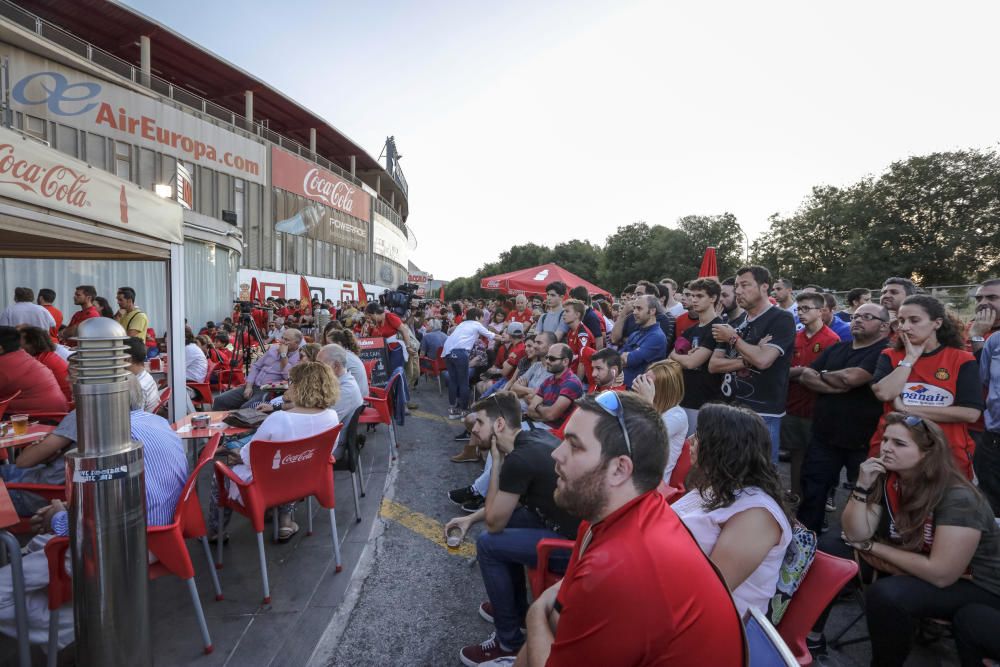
519,512
548,408
639,590
845,412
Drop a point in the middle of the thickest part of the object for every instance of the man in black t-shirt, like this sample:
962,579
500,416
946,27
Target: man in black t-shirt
755,356
694,349
846,411
520,510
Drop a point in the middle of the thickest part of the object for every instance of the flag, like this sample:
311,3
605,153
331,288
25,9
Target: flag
709,268
253,290
362,297
305,296
441,294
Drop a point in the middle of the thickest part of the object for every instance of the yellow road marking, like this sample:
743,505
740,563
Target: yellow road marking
429,415
423,525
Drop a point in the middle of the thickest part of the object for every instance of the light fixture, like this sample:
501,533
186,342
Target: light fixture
163,190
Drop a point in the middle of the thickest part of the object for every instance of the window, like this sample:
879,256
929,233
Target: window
66,140
97,151
36,127
123,161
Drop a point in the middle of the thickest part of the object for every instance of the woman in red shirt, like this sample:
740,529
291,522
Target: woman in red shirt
38,344
927,372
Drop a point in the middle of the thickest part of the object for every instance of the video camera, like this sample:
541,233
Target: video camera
400,299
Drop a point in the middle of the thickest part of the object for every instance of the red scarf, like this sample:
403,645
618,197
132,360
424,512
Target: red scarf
893,504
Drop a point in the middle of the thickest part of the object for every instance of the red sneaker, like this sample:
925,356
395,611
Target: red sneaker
474,655
486,611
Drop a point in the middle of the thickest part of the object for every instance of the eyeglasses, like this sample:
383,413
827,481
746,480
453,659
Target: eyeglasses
807,309
549,357
912,421
867,317
611,403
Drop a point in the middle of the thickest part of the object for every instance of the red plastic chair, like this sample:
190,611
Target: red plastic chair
539,576
48,416
60,590
282,472
164,399
369,367
682,467
167,543
380,412
434,367
5,402
210,448
203,390
826,577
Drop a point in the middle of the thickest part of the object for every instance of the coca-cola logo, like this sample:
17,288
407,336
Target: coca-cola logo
57,181
492,283
298,458
336,192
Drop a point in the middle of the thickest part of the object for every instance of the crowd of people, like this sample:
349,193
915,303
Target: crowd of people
647,430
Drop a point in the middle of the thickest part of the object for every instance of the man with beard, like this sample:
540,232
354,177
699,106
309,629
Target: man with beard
894,292
731,313
986,460
647,609
694,349
647,343
519,512
755,357
606,367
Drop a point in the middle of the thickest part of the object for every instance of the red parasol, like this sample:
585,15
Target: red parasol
709,268
441,294
253,290
362,297
305,296
534,280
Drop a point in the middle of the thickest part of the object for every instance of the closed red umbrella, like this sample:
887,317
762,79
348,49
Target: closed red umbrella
362,297
709,267
253,290
441,294
305,296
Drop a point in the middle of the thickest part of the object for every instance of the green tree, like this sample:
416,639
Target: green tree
580,257
626,257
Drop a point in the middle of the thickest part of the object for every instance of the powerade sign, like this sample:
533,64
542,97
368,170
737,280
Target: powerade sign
47,90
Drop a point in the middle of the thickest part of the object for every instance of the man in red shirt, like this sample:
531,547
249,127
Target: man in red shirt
84,297
644,610
606,372
385,324
685,320
46,297
810,341
578,336
521,313
19,371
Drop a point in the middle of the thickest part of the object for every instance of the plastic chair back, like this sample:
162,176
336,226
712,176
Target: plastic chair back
48,416
211,447
60,588
682,467
5,402
167,542
209,369
369,367
767,648
164,399
539,576
826,576
348,445
290,470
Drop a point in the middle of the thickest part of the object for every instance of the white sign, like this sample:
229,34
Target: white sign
388,239
44,89
39,175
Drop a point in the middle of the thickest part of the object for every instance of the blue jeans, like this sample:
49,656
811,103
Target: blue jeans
773,425
457,363
502,558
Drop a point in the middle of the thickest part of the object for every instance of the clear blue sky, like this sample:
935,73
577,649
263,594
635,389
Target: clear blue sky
545,121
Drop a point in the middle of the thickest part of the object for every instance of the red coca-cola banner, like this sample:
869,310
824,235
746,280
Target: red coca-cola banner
302,177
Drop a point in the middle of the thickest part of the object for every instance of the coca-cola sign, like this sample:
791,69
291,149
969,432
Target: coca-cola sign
298,458
34,173
302,177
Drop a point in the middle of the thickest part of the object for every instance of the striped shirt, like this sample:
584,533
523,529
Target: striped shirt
164,459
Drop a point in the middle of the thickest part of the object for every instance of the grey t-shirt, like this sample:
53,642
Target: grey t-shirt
961,506
552,320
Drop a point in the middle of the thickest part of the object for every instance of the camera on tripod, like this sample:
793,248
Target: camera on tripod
400,299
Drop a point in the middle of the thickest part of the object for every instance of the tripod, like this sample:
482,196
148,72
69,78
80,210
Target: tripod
244,328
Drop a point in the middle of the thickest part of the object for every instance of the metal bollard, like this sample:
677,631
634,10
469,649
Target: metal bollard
107,512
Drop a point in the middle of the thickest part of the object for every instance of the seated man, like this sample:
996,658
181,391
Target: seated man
272,366
645,609
551,405
606,368
19,371
519,512
166,469
508,357
137,366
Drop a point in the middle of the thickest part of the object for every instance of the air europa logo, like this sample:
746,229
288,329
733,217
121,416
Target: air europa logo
58,92
916,393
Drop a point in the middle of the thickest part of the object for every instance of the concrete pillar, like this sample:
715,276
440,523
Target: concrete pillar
378,185
312,140
354,166
392,200
249,109
145,60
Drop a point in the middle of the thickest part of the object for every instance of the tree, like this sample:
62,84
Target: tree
580,257
626,257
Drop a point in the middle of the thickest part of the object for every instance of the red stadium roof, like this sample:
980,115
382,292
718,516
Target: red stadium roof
116,29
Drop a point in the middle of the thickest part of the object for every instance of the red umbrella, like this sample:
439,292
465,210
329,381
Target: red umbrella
253,290
709,268
305,296
362,297
534,280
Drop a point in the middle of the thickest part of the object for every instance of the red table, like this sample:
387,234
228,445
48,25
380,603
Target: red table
36,433
185,431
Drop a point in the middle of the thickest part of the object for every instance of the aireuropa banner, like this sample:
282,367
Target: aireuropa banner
302,177
388,240
40,175
48,90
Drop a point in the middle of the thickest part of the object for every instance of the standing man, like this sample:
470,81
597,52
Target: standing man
579,337
552,319
456,355
273,366
856,298
986,460
671,304
626,323
814,337
622,602
846,411
83,296
134,321
46,299
387,325
894,292
830,319
731,313
784,295
592,319
694,349
756,356
647,343
24,311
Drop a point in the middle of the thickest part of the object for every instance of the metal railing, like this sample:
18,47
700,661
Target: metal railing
386,211
169,92
957,298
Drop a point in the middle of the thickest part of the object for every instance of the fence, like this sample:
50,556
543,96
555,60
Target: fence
958,298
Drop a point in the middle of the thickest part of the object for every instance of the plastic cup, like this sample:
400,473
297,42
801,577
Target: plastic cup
454,538
20,424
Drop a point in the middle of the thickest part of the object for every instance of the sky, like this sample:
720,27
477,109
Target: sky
545,121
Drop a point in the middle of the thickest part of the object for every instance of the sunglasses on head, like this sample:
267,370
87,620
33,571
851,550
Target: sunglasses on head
611,403
912,421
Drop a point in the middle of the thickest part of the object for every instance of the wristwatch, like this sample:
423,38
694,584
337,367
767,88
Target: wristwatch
978,339
905,364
